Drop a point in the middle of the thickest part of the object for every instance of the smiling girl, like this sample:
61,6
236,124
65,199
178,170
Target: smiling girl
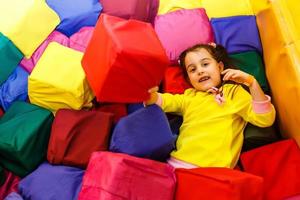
215,111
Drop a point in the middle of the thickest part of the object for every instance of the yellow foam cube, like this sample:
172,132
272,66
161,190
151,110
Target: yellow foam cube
166,6
228,8
58,80
27,23
217,8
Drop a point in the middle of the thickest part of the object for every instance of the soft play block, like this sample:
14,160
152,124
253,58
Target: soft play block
252,63
135,134
217,184
181,29
10,184
114,176
55,36
174,81
58,80
24,136
216,8
68,142
81,39
279,28
123,60
144,10
27,23
166,6
50,182
237,34
279,165
14,88
10,56
75,14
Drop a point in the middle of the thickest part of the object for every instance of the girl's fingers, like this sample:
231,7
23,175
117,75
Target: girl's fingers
234,75
228,75
225,71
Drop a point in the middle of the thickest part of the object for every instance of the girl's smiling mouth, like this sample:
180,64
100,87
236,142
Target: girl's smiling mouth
204,78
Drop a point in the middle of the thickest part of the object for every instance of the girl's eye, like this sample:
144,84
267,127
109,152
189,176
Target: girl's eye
192,70
205,64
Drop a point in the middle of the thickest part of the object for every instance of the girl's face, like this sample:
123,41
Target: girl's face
203,70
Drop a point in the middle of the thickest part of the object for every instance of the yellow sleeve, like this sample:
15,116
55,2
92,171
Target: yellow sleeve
172,103
242,101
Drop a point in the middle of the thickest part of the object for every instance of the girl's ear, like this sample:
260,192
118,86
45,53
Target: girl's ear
221,66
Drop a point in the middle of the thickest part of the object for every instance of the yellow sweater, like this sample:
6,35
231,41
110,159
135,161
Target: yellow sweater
211,135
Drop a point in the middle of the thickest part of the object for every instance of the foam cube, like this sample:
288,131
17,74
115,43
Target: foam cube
58,80
174,81
29,63
68,144
144,10
237,34
27,23
50,182
114,176
181,29
252,63
14,88
123,60
24,136
75,14
278,164
166,6
10,56
215,8
217,184
218,9
81,39
136,135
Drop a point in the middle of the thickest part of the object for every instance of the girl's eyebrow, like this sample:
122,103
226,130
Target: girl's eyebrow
203,59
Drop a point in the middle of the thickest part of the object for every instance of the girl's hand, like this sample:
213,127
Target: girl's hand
237,76
153,96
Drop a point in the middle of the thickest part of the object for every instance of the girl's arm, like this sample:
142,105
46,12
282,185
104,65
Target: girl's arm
246,79
168,102
260,112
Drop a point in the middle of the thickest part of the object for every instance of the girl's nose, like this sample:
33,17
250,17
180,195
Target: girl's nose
199,71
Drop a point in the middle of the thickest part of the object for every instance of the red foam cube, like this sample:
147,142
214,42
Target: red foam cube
217,184
123,60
